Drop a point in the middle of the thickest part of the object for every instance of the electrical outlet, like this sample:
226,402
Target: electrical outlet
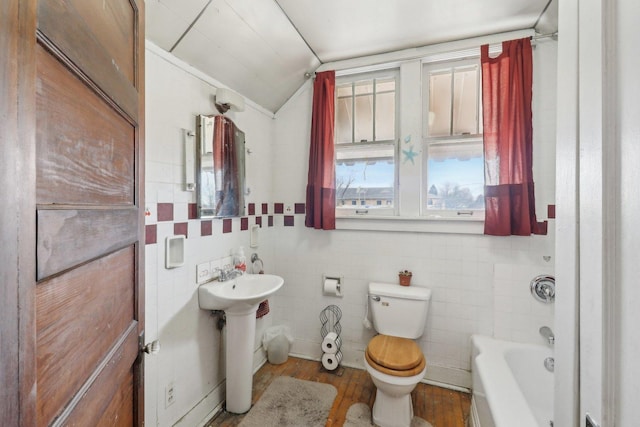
169,395
203,272
215,267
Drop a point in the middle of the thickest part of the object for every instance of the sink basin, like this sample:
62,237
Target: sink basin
243,292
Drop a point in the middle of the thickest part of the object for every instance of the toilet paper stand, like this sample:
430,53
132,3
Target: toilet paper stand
331,340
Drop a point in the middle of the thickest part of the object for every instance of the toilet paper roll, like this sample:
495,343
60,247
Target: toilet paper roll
331,361
331,287
331,343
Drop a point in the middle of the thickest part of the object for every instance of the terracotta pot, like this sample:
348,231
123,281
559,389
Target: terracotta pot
404,279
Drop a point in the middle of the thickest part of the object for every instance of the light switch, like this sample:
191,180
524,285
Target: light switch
203,272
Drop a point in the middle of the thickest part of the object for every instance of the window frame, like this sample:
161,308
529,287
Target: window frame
373,210
429,68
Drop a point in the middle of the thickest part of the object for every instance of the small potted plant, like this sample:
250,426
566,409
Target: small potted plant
405,277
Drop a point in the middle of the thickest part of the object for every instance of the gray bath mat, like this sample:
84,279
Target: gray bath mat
359,415
292,402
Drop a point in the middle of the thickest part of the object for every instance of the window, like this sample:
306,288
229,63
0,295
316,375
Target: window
453,177
365,146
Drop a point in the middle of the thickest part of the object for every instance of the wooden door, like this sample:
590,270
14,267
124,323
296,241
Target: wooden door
89,299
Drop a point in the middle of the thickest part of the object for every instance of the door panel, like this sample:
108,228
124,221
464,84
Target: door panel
102,401
69,148
79,316
113,26
89,298
68,237
120,411
65,28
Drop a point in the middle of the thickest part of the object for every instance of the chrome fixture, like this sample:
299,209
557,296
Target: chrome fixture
549,363
256,264
543,288
547,333
227,273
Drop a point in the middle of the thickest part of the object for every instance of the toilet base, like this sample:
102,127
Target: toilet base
392,411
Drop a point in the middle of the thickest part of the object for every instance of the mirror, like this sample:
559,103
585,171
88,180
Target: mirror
220,166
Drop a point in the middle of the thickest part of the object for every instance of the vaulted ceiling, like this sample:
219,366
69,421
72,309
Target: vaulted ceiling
263,48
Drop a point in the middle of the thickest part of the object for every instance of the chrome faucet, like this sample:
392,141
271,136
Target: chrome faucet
227,273
547,333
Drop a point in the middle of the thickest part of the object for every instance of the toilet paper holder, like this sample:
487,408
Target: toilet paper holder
332,285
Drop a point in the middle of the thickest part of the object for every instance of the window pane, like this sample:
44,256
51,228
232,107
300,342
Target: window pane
364,87
455,176
364,118
344,120
365,176
385,85
439,105
385,116
344,90
465,92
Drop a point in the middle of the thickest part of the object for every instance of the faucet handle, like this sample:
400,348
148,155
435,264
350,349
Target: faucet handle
547,333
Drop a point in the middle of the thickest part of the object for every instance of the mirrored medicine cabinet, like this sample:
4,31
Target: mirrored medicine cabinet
220,167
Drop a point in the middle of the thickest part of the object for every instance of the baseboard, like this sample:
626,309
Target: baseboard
201,413
453,378
474,419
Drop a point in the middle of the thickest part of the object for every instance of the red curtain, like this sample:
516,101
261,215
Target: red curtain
228,196
321,189
508,141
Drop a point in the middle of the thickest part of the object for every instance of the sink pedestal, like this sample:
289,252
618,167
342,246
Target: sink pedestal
241,333
239,298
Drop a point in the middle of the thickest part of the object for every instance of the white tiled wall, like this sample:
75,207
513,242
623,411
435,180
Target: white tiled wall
480,283
191,355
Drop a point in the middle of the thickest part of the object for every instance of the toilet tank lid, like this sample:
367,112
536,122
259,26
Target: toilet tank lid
398,291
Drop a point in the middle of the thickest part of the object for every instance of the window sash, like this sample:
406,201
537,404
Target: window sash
354,87
447,147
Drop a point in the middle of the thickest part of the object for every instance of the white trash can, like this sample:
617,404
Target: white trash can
277,342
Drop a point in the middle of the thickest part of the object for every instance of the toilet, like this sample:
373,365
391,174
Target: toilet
392,358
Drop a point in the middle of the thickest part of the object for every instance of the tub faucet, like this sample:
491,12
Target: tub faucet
546,332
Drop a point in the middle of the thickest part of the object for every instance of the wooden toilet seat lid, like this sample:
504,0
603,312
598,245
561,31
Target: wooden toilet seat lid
396,354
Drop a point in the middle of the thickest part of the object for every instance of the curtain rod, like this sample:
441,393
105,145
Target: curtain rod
538,36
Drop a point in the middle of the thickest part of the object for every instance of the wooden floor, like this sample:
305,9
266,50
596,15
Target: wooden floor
441,407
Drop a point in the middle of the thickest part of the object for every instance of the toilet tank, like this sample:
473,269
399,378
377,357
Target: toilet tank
399,311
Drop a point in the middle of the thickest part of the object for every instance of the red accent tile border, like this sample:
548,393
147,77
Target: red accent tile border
551,211
299,208
165,211
278,208
150,234
206,228
252,208
181,228
288,220
544,226
270,220
259,221
227,225
192,211
244,223
265,208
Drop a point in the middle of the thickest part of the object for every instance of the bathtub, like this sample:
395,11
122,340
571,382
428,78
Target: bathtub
511,386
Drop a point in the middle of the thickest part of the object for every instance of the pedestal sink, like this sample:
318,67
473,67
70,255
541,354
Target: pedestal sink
239,298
